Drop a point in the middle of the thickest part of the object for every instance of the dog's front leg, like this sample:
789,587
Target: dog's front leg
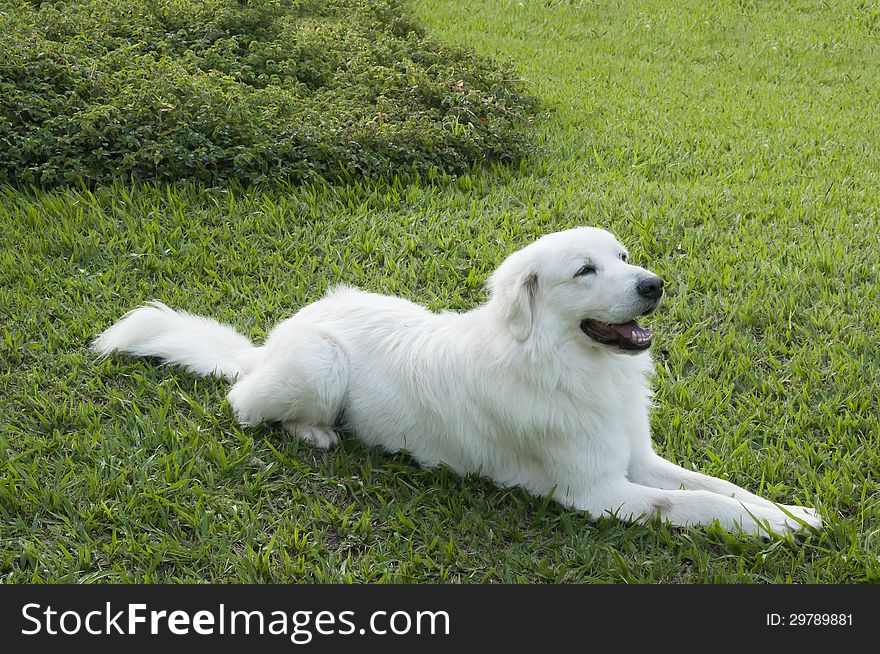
650,469
634,502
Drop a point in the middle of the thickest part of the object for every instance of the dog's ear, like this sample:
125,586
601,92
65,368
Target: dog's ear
514,293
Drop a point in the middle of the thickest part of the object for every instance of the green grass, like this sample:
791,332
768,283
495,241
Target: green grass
733,146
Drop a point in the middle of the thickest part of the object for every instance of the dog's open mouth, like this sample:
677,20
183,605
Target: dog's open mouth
626,336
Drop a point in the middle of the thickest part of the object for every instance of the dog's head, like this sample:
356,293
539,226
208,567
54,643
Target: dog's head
578,280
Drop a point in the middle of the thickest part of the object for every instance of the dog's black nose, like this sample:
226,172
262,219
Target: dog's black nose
650,288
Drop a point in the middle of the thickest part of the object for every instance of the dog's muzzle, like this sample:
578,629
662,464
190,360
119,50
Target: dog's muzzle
628,335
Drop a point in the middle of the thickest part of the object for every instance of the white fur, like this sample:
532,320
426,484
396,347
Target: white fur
513,389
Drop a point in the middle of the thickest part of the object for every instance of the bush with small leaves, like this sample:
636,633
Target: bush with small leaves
214,90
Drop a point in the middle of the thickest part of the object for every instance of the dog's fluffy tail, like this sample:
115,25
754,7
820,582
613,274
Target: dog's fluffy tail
201,345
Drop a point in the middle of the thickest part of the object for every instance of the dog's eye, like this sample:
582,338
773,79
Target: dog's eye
623,256
586,270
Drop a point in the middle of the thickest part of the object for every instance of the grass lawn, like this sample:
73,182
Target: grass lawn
733,146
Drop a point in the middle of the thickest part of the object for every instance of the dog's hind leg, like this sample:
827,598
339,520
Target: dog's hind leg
300,381
323,438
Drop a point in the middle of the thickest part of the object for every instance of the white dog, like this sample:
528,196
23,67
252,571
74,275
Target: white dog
545,386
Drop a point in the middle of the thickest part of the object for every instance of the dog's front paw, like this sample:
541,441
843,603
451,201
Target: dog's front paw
779,522
769,521
805,513
322,438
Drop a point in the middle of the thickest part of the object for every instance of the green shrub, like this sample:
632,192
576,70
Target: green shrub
212,90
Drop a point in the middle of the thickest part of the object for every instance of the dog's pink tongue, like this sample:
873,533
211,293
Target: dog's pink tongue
632,332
